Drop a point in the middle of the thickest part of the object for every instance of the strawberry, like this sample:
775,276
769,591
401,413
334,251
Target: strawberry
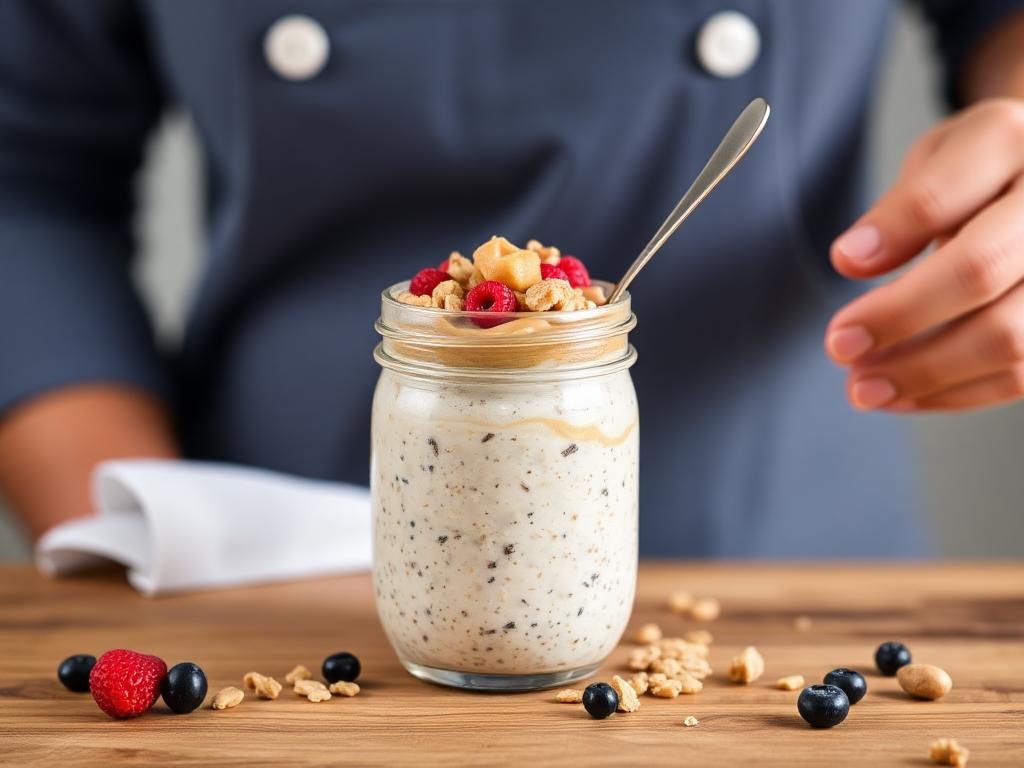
551,272
575,270
125,683
426,280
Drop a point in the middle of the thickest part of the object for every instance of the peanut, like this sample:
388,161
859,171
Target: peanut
924,681
229,697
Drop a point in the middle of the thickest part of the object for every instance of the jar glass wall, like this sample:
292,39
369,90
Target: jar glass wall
504,484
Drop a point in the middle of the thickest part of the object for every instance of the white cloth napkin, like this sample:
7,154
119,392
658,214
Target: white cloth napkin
180,525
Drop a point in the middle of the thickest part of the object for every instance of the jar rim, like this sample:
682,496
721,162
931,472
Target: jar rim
408,321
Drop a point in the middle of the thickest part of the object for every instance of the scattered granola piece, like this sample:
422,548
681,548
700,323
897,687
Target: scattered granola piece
641,658
803,623
699,668
443,290
575,302
344,688
689,684
459,267
679,602
668,689
790,683
306,687
647,634
318,695
548,294
595,294
569,696
705,609
628,700
691,721
699,637
746,667
229,697
299,672
548,254
411,298
474,279
640,683
670,667
948,752
265,687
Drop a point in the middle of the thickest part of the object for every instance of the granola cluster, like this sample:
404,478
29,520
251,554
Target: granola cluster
502,277
265,687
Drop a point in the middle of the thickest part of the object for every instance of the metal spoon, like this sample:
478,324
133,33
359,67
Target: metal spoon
734,145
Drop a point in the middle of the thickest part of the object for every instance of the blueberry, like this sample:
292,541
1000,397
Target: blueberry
890,657
851,681
184,687
74,671
600,700
823,706
341,666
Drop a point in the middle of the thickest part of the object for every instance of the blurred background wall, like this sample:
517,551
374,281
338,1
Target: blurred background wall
970,465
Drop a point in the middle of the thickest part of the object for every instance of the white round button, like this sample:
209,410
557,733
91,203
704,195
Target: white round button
296,47
728,44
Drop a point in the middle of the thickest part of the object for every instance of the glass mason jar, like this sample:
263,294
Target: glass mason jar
504,489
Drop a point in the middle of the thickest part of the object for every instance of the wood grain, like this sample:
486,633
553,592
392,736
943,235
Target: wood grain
967,619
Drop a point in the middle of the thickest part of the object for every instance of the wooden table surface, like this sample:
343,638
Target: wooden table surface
967,619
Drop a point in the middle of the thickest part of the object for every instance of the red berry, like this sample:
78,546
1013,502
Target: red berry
443,266
426,281
573,267
551,272
490,296
126,683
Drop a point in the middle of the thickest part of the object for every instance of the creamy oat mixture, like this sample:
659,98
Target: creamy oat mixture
505,521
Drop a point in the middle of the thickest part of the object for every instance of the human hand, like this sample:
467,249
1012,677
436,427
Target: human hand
948,333
50,443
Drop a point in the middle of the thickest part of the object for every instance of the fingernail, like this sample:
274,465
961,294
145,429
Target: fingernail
862,243
873,393
848,344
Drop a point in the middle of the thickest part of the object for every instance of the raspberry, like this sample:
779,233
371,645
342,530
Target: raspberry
443,266
126,683
490,296
551,272
426,281
576,272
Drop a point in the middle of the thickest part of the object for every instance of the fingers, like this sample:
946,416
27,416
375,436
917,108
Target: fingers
985,344
996,389
977,266
949,176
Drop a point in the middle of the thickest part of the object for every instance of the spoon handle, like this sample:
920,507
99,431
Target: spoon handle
734,145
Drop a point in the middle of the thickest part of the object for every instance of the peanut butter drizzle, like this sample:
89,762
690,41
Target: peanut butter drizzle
514,357
523,326
534,351
588,433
